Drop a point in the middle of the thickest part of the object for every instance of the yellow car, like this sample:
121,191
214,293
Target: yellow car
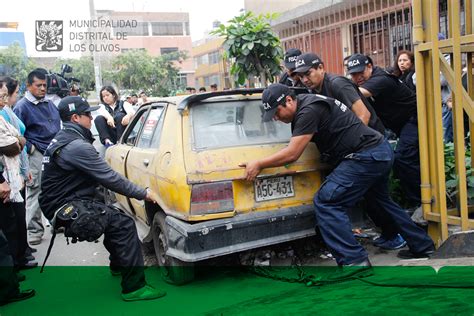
187,149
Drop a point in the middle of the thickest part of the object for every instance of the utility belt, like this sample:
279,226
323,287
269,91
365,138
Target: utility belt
82,220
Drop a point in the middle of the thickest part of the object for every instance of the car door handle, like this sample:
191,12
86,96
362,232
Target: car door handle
122,156
146,162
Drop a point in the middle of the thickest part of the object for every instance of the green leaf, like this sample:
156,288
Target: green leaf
451,183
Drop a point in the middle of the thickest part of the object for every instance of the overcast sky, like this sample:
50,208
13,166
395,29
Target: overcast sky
201,12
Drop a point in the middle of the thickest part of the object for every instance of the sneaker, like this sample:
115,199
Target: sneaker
396,242
108,143
20,296
29,265
408,254
35,240
352,271
145,293
379,240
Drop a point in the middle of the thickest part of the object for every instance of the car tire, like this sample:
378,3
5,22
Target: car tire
173,271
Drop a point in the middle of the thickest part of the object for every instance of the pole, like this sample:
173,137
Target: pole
95,56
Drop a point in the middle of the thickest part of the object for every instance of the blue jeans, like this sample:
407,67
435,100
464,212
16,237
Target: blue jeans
364,173
406,166
447,116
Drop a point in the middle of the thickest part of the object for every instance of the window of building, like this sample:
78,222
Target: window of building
208,80
140,30
214,58
167,28
181,81
203,59
125,50
168,50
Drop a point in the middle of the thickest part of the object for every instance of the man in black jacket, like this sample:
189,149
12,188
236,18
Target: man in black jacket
395,104
310,69
71,170
362,161
290,77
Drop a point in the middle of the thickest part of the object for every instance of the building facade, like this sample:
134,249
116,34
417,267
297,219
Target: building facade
336,29
209,64
158,33
271,6
378,28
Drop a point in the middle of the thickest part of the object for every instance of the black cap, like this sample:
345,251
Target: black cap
272,97
74,105
357,63
290,58
306,61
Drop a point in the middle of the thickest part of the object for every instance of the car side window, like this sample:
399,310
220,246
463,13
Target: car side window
151,123
133,134
155,141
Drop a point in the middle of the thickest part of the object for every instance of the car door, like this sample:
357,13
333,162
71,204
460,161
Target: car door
118,154
142,157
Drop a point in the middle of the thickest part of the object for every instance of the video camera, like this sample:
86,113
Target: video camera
59,84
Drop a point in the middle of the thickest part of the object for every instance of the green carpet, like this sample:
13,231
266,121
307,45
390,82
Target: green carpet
235,291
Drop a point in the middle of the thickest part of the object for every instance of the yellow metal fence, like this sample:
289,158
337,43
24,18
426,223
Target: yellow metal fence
430,62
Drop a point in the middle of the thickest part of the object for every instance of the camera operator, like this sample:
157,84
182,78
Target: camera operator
59,86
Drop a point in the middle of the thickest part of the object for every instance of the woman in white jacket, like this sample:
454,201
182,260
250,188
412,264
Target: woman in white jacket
113,116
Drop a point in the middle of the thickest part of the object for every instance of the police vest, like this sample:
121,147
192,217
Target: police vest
58,186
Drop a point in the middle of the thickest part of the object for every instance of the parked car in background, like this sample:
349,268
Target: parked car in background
187,149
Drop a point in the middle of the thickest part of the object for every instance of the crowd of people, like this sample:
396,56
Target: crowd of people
49,166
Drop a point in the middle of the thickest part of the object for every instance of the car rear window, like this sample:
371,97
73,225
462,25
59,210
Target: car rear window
234,123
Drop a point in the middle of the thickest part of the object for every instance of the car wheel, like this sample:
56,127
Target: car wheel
173,271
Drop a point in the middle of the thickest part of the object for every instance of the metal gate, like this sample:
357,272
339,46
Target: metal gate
430,60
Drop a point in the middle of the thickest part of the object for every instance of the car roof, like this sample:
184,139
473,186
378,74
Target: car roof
183,101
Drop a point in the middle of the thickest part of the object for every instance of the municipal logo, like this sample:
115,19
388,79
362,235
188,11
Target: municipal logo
49,36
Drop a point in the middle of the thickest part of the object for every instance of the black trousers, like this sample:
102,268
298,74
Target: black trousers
108,132
122,242
13,224
9,285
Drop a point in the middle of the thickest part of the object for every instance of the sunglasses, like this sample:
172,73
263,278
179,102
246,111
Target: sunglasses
88,114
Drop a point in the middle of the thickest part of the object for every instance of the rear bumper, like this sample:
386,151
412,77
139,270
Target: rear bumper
194,242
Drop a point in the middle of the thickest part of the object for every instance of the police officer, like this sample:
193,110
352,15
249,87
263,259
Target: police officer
310,69
290,77
395,104
72,169
362,161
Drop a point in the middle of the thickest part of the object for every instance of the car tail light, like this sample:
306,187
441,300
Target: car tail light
209,198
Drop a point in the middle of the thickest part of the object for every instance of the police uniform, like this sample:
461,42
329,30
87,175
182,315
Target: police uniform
289,60
363,160
344,90
395,104
72,169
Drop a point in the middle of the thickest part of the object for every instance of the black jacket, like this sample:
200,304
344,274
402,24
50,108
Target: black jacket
72,168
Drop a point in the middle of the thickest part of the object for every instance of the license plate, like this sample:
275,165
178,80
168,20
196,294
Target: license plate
273,188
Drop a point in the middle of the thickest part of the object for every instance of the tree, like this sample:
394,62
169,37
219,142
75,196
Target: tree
15,62
82,69
137,70
252,46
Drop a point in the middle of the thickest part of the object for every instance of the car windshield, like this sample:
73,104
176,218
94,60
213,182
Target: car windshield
234,123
